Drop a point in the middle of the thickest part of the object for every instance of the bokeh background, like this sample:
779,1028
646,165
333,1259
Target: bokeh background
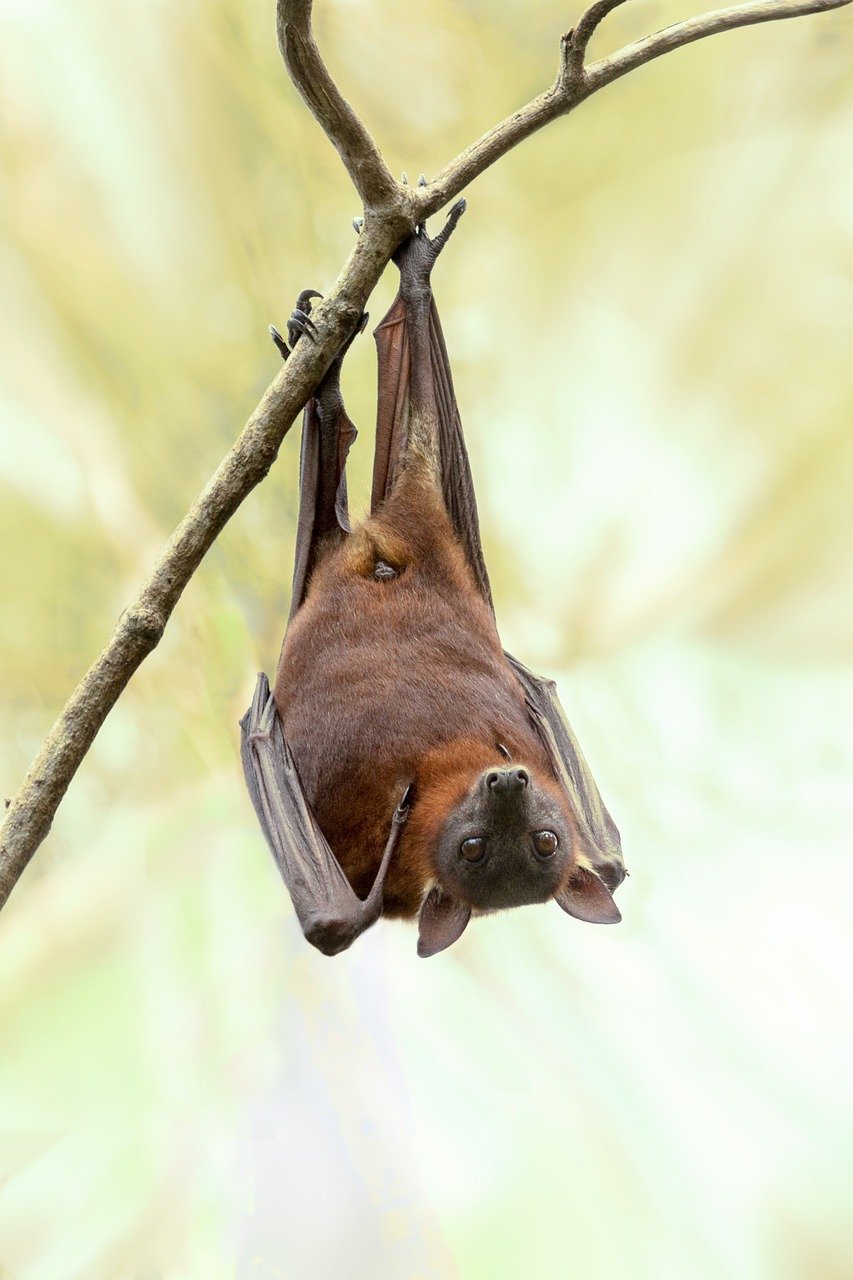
649,308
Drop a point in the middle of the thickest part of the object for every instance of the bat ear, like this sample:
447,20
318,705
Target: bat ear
442,921
587,898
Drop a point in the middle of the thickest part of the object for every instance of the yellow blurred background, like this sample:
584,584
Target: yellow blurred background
649,308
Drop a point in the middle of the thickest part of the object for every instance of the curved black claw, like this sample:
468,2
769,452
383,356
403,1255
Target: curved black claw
298,325
300,321
303,302
279,341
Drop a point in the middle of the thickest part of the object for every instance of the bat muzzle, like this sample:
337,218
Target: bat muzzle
505,784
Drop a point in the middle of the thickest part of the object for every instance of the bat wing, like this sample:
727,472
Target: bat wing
599,845
330,914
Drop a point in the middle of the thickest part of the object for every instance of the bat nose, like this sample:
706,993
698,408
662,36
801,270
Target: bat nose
505,781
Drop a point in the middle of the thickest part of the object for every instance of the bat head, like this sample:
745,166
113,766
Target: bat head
506,842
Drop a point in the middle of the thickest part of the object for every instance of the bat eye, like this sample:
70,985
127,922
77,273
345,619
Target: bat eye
473,849
545,843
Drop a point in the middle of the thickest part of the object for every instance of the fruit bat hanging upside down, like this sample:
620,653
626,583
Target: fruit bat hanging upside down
404,764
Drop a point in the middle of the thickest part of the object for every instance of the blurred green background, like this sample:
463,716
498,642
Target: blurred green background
649,307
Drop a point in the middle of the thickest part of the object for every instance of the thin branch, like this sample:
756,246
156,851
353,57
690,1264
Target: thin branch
370,175
606,70
392,211
577,82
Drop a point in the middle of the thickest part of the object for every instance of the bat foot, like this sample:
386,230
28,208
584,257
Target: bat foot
417,257
328,393
300,323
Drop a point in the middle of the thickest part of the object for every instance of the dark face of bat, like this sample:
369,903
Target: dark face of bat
506,844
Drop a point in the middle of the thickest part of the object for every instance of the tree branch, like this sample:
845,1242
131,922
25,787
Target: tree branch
370,175
634,55
392,210
576,82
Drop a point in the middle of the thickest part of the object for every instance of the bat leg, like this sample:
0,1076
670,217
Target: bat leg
327,435
329,912
417,402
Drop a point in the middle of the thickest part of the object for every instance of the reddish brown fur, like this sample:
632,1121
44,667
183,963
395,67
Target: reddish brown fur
385,682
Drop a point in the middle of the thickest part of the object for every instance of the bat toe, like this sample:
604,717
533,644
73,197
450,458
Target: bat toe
300,323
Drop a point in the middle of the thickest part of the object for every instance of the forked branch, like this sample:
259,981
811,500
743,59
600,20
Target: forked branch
574,43
392,210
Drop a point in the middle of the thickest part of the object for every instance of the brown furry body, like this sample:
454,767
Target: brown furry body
385,682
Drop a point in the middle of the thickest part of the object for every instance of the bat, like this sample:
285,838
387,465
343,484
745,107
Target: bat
404,765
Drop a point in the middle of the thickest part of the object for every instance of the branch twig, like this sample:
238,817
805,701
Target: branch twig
392,210
709,24
574,43
577,81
